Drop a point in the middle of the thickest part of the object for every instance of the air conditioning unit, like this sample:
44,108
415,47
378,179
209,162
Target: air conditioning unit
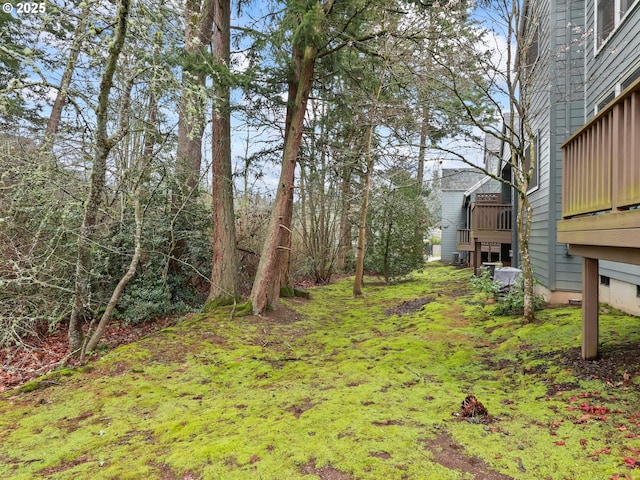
455,258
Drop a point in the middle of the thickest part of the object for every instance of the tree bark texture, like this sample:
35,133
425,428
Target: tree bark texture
266,287
191,122
224,275
103,145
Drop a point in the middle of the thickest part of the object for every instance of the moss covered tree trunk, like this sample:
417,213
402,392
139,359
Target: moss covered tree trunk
102,147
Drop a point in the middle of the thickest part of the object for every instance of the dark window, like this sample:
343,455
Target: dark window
533,50
605,101
604,280
635,75
638,291
625,6
606,19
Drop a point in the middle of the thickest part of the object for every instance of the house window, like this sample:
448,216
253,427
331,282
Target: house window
638,291
609,15
606,14
533,50
605,101
535,175
633,76
604,280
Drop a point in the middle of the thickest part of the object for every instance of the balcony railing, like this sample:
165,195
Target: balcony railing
601,162
464,237
490,218
490,224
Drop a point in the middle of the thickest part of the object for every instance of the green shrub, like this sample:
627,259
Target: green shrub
483,283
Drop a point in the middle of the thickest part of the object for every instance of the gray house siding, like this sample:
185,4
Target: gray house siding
567,101
539,83
557,110
453,216
614,60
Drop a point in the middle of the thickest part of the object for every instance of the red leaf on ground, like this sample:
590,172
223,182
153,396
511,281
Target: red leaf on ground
560,443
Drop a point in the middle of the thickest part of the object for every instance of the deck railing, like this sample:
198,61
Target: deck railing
464,236
490,217
601,162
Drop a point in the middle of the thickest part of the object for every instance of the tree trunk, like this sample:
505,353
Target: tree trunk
103,145
525,214
266,287
364,209
344,242
422,152
191,122
117,292
224,275
53,123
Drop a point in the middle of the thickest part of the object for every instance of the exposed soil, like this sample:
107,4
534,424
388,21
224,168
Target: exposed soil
449,454
408,307
325,473
615,359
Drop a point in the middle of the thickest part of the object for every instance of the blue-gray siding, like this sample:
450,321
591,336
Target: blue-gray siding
453,217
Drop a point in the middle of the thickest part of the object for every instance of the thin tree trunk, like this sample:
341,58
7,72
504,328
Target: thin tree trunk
224,275
422,152
344,242
53,123
103,145
117,292
266,287
364,209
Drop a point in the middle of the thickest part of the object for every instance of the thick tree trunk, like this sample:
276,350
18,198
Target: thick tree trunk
191,121
525,215
266,287
224,275
103,145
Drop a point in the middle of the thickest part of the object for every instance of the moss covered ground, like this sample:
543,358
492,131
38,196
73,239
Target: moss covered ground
337,387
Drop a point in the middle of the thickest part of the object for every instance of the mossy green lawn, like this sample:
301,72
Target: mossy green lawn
334,381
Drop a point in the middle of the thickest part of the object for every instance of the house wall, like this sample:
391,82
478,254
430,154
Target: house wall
453,217
557,110
609,65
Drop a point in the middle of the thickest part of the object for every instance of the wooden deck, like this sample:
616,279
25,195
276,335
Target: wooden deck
601,199
490,227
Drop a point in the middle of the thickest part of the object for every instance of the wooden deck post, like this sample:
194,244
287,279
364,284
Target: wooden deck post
590,306
477,257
